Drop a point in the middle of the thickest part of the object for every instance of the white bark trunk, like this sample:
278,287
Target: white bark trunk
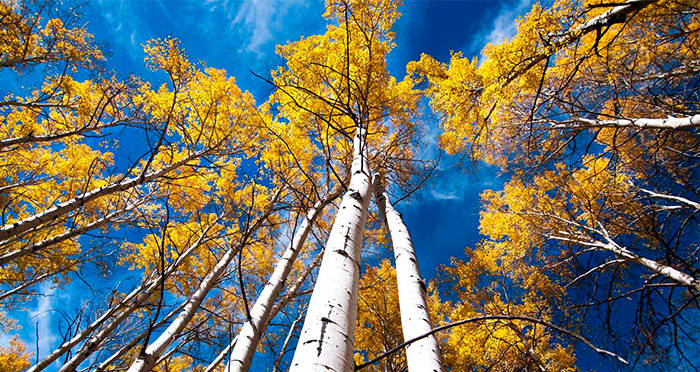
27,284
326,342
7,257
121,310
655,266
285,344
56,136
221,356
250,333
680,199
617,14
126,307
422,355
291,292
149,358
118,354
667,123
19,227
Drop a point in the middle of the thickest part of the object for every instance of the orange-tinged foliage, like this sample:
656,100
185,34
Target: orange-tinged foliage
27,38
14,357
378,317
507,107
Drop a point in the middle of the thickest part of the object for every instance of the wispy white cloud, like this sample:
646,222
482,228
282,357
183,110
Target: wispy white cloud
41,317
503,25
442,195
260,18
258,22
124,25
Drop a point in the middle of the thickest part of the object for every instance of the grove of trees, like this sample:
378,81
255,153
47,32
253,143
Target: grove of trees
246,222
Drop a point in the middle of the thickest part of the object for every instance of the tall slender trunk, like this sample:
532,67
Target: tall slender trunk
620,251
21,227
27,284
221,356
117,314
149,357
7,257
288,296
422,355
119,353
250,333
326,342
619,13
56,136
666,123
282,350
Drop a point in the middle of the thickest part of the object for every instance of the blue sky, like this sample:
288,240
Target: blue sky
240,36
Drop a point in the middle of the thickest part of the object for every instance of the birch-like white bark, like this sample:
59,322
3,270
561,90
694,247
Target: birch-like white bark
56,136
616,14
289,295
680,199
154,351
285,344
147,360
26,285
221,356
19,227
423,355
667,123
7,257
326,342
655,266
121,311
119,353
252,330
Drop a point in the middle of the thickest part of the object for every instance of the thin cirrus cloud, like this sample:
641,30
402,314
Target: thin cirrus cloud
260,24
122,23
503,26
38,320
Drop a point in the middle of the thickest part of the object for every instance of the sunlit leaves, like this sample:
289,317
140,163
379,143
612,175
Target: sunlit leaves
28,38
14,357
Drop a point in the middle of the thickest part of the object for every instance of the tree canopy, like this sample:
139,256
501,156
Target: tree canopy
229,231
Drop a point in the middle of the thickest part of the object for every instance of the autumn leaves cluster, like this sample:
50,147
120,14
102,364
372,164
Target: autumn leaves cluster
591,109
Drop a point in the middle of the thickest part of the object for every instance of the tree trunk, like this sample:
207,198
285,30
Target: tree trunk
119,353
620,251
291,293
326,342
423,355
250,333
7,257
667,123
149,357
129,304
20,227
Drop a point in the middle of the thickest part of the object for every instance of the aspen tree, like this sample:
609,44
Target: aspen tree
327,336
97,331
151,354
249,335
423,355
599,99
338,82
